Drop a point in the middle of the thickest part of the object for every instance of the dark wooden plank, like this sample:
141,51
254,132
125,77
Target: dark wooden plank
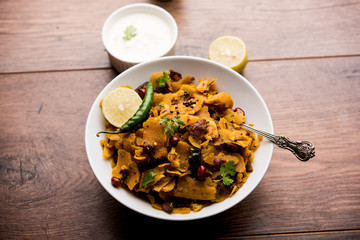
313,100
335,235
48,190
51,35
47,187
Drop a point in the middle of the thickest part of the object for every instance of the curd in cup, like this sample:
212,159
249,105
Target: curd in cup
138,33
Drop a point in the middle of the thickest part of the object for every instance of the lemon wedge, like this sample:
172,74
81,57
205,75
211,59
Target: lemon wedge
229,51
120,105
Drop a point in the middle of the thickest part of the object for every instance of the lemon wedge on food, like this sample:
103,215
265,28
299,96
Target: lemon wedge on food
120,105
229,51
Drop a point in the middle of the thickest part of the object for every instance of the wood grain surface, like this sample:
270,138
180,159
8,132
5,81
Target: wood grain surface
56,35
304,61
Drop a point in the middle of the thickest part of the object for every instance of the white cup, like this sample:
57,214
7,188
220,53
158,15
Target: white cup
155,35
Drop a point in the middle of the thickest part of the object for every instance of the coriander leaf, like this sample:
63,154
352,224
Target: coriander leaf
169,130
177,121
227,181
129,33
171,125
148,178
163,79
227,170
164,120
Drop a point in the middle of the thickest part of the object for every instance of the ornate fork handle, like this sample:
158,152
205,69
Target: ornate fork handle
303,150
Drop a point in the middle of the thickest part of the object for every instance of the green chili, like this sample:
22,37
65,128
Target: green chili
195,159
140,114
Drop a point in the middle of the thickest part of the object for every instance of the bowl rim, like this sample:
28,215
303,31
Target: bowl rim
161,12
191,216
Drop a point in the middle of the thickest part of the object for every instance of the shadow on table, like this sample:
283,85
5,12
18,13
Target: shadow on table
128,224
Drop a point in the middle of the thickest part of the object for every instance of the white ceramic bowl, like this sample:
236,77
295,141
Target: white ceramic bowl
158,15
244,96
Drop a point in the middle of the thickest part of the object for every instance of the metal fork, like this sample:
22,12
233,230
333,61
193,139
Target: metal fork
303,150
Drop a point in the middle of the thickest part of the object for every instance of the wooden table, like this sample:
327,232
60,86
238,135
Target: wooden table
304,59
